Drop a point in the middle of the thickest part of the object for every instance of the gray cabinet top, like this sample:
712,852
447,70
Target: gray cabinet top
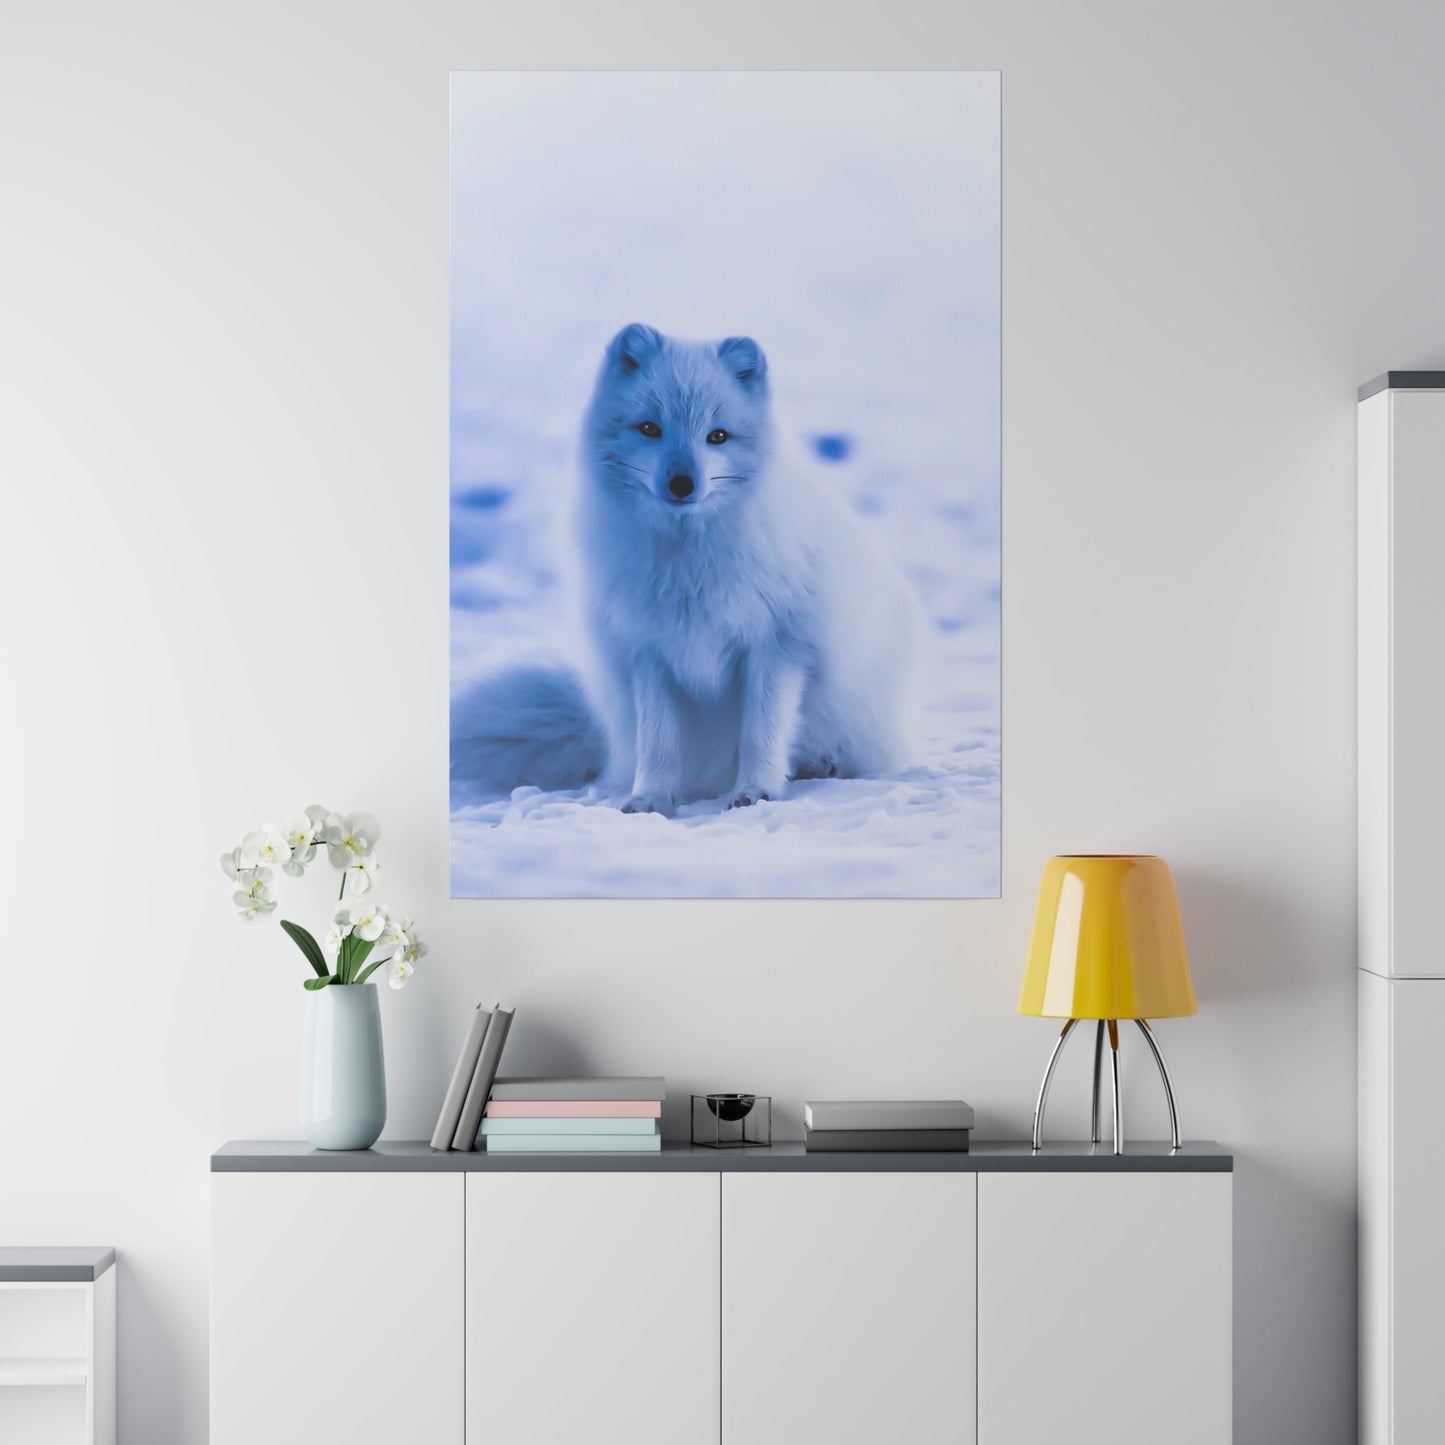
49,1264
1404,381
417,1157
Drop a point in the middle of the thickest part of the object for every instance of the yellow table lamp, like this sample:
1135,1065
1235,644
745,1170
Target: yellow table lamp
1107,944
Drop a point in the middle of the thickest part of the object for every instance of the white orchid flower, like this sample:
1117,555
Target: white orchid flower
236,869
255,907
398,971
340,928
368,921
299,830
295,867
398,932
318,818
363,875
412,950
255,890
267,846
350,838
254,883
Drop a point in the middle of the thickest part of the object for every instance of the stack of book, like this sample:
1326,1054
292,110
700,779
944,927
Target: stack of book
883,1125
461,1115
575,1116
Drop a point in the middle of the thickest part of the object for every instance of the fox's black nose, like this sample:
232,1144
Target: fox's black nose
681,487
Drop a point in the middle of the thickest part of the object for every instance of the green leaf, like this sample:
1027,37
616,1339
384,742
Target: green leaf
314,983
371,969
308,946
360,948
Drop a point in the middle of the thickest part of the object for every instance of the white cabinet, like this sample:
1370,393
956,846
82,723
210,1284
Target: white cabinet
1104,1308
592,1308
404,1297
57,1358
336,1308
848,1308
1401,843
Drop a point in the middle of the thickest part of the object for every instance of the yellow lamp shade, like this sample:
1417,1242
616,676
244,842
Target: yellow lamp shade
1107,942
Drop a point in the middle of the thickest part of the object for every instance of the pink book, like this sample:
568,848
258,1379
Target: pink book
575,1109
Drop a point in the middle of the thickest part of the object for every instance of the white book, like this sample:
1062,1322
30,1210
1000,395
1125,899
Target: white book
889,1114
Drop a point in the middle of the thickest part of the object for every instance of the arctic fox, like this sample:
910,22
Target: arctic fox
744,630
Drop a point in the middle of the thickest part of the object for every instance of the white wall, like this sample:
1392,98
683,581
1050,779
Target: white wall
223,245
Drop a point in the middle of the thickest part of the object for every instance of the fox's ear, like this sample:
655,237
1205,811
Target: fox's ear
744,358
633,347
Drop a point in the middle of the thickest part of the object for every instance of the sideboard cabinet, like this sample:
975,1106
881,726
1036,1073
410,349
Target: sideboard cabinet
761,1297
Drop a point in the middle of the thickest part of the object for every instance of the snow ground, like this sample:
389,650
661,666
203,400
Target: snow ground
868,268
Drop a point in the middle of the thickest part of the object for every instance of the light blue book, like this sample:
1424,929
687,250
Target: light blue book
574,1144
494,1127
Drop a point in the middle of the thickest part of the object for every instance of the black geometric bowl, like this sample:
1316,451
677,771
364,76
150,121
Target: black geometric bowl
731,1107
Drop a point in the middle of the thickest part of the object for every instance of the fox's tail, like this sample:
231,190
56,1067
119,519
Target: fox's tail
526,726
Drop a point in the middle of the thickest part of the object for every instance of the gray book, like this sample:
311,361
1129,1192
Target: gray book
889,1114
886,1141
451,1113
536,1091
482,1077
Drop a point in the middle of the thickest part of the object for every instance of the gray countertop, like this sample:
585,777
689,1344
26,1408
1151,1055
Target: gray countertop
1404,381
415,1156
49,1264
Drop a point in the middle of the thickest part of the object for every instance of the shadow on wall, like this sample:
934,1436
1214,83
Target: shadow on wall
1257,965
533,1045
148,1377
1284,1225
541,1049
1246,942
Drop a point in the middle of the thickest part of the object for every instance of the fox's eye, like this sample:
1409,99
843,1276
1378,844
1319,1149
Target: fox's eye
649,428
717,438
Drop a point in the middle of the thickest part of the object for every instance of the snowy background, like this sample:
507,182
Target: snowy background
848,221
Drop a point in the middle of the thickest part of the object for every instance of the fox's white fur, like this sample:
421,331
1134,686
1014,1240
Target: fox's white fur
744,629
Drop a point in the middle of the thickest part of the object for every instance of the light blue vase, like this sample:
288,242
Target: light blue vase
343,1078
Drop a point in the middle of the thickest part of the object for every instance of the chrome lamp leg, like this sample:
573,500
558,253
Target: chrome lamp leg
1063,1038
1118,1097
1094,1135
1164,1075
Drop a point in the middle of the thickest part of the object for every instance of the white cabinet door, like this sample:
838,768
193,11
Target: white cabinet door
1401,681
1374,784
336,1309
1104,1309
1415,1153
592,1309
1417,674
1376,1291
848,1309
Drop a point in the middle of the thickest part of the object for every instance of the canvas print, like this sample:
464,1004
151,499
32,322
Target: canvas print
725,484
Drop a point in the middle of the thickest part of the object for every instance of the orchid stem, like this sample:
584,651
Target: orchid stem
341,952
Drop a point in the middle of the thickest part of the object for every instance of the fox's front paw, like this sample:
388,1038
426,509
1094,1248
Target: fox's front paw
649,803
746,797
825,765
